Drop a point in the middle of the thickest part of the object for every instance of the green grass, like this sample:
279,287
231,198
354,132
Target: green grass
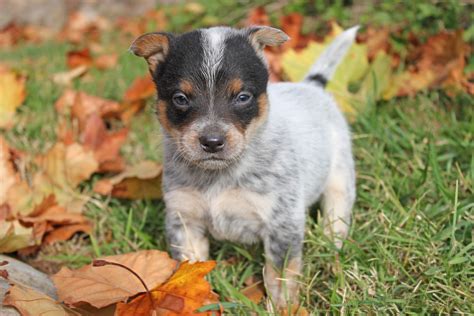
411,246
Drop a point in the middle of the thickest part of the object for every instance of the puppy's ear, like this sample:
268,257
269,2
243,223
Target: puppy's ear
261,36
154,47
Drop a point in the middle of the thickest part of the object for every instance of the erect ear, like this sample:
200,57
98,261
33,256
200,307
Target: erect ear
153,47
262,36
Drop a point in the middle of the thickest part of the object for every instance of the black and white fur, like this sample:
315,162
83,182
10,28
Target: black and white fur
290,148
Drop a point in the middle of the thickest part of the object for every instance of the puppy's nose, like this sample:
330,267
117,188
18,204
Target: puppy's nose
212,143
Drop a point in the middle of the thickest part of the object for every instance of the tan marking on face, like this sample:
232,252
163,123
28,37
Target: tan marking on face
186,86
283,287
235,86
263,107
163,118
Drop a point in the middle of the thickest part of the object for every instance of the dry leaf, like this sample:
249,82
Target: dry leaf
12,95
66,232
105,145
142,181
102,286
33,303
141,88
106,61
66,78
254,292
77,58
258,16
437,63
182,294
14,236
7,172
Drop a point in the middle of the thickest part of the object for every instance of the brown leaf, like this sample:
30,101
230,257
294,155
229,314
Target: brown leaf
254,292
105,145
142,181
102,286
77,58
291,24
439,62
141,88
66,78
32,303
182,294
106,61
258,16
7,171
12,95
66,232
81,105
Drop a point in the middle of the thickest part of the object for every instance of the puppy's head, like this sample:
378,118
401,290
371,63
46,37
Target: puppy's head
211,86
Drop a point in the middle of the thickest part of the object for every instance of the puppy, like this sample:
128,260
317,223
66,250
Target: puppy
244,159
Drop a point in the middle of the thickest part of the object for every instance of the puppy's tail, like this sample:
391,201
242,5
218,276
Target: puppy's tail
323,69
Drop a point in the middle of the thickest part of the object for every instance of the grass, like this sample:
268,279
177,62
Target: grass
411,246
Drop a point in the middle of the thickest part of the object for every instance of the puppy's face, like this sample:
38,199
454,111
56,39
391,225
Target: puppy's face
211,87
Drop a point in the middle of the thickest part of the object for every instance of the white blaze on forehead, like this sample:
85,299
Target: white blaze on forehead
213,45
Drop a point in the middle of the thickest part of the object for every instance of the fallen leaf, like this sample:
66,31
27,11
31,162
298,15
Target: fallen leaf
66,232
352,68
142,181
106,61
32,303
291,24
437,63
14,236
7,172
258,16
102,286
12,95
141,88
254,292
105,144
77,58
66,78
182,294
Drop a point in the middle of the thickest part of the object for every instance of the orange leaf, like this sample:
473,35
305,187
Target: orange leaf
182,294
77,58
254,292
142,181
140,89
258,16
102,286
66,232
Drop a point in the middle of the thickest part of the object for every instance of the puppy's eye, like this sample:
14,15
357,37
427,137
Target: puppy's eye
180,100
243,98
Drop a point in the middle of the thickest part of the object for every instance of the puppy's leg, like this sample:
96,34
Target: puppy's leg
186,238
283,250
185,226
338,199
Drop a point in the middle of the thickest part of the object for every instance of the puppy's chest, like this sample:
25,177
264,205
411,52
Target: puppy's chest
235,214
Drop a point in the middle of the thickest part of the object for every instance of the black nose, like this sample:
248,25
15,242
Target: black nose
212,143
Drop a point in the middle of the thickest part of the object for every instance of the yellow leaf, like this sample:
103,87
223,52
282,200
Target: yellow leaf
12,95
352,68
14,236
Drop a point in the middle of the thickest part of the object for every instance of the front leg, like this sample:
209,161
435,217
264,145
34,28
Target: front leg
185,226
283,250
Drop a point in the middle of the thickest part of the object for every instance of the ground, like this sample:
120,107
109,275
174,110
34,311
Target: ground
410,249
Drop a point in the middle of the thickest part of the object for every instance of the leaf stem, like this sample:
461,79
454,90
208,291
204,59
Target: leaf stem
101,263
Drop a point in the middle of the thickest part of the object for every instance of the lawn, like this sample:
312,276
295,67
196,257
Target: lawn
410,249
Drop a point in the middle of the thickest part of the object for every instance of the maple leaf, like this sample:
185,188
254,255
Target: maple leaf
184,292
102,286
12,95
142,181
30,302
134,100
352,68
